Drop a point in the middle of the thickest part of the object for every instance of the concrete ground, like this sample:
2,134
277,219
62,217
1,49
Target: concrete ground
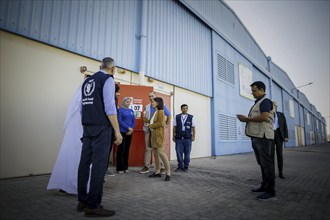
214,188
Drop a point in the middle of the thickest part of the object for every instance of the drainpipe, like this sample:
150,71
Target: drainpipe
269,59
143,42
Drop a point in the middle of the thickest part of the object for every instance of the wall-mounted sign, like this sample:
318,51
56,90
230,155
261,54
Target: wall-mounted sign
245,80
137,107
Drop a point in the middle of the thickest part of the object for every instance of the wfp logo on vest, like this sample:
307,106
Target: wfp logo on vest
88,90
89,87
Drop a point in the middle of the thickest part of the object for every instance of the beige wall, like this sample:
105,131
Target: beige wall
37,84
200,107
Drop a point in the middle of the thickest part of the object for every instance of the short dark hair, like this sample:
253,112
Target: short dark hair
184,105
259,85
160,103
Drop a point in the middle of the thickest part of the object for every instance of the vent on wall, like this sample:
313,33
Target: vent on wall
244,137
225,70
227,128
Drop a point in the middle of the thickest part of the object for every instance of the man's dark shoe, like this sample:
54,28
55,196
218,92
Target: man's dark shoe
81,207
258,190
178,169
281,176
168,178
267,197
99,212
185,169
62,193
155,175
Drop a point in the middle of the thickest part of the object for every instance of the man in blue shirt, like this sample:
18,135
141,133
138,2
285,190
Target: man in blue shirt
259,126
183,134
99,120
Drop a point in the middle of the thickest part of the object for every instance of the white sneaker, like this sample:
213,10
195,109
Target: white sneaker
110,173
145,169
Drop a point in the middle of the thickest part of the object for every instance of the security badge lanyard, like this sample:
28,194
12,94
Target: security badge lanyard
183,121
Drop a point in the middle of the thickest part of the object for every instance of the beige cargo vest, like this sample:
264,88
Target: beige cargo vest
260,129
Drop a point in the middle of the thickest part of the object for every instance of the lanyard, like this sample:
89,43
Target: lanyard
183,121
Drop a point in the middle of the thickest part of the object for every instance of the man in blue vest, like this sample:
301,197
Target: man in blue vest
183,134
99,120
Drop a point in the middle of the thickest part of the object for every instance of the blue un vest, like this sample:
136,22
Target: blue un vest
92,100
179,134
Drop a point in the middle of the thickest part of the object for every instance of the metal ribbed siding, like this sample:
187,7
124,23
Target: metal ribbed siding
216,14
178,47
91,28
281,78
304,101
277,96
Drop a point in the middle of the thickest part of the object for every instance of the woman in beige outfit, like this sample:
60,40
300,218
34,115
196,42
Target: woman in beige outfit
156,127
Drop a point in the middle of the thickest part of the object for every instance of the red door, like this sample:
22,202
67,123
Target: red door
140,99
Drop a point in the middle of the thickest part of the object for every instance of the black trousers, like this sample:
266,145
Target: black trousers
95,151
278,147
263,152
123,152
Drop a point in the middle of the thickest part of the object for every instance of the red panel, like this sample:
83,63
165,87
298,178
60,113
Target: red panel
140,97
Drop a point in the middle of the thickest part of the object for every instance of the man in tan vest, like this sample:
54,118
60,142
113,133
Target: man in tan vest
259,126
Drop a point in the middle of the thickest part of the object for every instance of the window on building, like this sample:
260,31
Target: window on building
291,106
308,118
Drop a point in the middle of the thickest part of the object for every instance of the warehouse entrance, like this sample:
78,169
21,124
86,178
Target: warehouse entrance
140,99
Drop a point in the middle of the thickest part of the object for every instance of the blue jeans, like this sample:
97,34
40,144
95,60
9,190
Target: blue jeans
263,152
95,151
183,146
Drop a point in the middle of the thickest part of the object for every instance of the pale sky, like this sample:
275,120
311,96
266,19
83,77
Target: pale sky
295,34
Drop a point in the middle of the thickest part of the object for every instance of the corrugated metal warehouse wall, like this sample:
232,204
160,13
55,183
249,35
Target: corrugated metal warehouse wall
178,47
94,29
183,43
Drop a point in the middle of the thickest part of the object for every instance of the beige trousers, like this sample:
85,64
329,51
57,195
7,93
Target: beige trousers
160,153
148,151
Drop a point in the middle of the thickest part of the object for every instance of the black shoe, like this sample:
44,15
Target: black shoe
99,212
267,197
155,175
260,189
62,193
178,169
81,207
185,169
168,178
281,176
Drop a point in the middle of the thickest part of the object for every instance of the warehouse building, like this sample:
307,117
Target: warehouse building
188,51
